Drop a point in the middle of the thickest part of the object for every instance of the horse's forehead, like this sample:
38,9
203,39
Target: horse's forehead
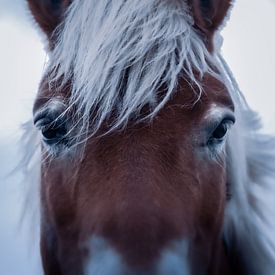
214,97
216,91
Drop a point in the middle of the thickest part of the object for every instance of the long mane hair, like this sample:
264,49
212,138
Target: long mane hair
118,55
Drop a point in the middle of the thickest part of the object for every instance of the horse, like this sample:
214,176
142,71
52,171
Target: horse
150,159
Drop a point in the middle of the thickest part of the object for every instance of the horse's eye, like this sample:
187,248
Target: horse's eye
53,133
220,131
53,127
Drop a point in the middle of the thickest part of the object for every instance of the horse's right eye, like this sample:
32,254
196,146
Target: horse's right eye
219,133
221,130
53,133
53,127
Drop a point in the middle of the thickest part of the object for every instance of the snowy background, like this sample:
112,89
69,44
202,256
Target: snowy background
249,48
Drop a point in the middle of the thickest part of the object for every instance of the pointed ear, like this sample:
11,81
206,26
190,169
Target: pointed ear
209,15
48,13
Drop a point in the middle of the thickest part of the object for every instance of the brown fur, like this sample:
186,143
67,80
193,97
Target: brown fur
141,188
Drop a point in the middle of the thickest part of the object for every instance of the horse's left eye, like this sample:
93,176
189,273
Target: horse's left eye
220,131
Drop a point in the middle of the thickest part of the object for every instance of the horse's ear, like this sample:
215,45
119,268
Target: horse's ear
209,15
48,13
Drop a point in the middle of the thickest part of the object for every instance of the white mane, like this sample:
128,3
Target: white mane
150,43
250,216
118,54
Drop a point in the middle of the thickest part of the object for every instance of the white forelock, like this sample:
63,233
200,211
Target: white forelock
118,54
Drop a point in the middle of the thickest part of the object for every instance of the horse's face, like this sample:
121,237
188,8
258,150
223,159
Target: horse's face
149,187
140,198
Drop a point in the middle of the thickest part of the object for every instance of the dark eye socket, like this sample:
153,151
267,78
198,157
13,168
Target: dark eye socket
53,131
53,127
221,130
